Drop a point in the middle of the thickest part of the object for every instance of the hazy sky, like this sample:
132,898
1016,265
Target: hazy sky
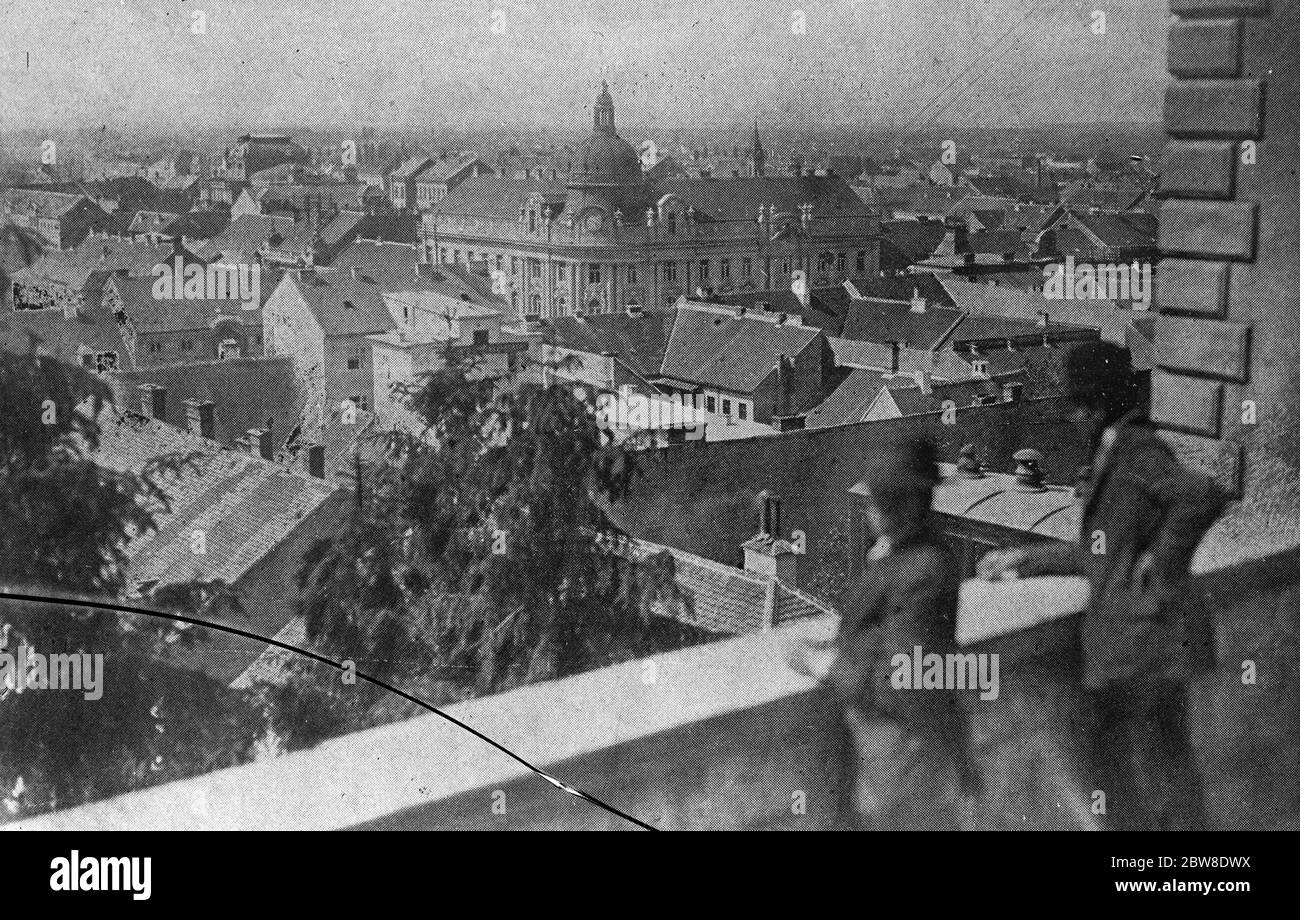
417,62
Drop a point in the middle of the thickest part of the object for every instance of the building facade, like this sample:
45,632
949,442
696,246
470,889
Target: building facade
608,237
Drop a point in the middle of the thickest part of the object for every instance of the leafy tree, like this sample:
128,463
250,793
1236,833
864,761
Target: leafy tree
479,555
67,523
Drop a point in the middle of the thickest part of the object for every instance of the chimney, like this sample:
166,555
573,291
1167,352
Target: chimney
1029,474
259,442
969,465
316,461
153,401
200,417
1042,319
1011,392
918,302
895,356
767,555
923,381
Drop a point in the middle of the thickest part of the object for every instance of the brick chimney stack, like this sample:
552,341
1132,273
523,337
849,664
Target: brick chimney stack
153,401
200,417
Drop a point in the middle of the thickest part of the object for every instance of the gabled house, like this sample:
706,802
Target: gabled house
745,367
62,219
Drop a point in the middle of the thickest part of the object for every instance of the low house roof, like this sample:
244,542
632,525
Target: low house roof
709,346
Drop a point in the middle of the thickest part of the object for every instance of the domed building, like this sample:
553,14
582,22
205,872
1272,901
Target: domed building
608,238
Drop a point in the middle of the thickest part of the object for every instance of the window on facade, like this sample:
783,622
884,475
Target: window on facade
724,268
860,264
672,223
746,267
631,274
710,404
105,361
824,262
499,261
670,272
534,268
785,266
532,221
744,410
726,407
704,269
155,348
480,337
593,273
362,402
840,261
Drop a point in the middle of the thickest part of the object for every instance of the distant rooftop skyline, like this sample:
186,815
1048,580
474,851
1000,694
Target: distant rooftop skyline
324,63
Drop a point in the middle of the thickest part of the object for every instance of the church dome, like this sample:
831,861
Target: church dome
604,158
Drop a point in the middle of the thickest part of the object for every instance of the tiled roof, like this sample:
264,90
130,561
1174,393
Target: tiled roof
498,197
410,167
909,398
722,599
848,403
1103,315
912,240
371,255
151,314
246,392
901,287
96,257
60,338
738,199
299,238
345,303
351,196
244,505
639,341
39,202
712,347
244,237
443,169
886,321
1127,230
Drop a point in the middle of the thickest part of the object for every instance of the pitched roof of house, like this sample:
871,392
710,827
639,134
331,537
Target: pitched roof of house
709,346
244,237
63,339
887,321
410,167
150,314
985,299
94,259
352,302
848,403
906,242
40,202
246,393
738,199
245,506
442,169
499,197
299,239
639,341
373,255
901,287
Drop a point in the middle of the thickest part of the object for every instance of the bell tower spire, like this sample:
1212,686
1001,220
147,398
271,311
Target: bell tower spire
603,113
757,156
